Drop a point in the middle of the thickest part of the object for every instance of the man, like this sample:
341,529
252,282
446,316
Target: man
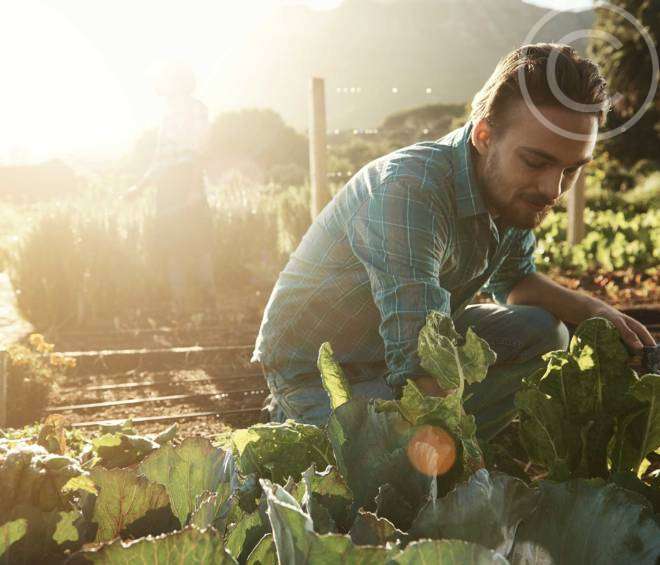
183,221
428,226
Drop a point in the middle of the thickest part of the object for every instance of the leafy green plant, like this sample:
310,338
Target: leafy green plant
588,414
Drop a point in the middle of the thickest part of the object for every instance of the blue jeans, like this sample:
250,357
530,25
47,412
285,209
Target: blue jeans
518,334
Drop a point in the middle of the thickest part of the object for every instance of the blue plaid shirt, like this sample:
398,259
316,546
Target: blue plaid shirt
409,233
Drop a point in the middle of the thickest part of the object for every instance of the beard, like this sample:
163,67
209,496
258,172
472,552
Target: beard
507,202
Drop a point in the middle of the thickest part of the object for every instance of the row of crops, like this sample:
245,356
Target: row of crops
400,481
114,264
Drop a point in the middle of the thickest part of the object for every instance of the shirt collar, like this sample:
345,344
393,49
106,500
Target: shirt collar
469,198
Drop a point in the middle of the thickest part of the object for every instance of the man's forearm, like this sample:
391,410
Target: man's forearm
568,305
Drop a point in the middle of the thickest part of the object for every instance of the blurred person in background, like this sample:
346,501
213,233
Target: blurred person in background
184,231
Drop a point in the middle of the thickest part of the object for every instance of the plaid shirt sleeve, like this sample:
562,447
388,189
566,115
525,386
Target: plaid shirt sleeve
399,234
518,263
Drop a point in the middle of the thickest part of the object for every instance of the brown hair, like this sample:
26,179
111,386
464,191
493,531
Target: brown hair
578,79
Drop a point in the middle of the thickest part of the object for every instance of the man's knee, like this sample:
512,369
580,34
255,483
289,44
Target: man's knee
543,331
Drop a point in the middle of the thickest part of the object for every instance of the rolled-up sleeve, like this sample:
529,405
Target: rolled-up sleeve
518,263
399,234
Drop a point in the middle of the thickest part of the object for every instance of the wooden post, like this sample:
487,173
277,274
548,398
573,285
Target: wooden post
3,389
575,205
318,167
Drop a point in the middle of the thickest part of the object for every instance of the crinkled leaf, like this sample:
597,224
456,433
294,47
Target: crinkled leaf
333,378
121,450
167,434
80,483
454,365
264,553
588,521
486,510
449,552
128,504
297,543
189,545
277,451
570,415
10,533
369,529
188,470
213,508
31,475
593,375
446,413
66,530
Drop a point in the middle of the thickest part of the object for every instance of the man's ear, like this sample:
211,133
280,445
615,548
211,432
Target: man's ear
481,136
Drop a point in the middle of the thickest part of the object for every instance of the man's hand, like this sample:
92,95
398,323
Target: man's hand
633,333
429,386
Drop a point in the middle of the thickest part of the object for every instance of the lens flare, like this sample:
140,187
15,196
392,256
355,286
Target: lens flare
432,451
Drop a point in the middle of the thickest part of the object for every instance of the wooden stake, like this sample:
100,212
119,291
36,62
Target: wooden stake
576,205
318,168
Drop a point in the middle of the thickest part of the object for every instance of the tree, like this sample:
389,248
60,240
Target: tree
629,72
259,143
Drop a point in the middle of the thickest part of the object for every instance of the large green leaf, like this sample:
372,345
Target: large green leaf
448,552
46,537
486,510
370,448
243,536
542,431
453,364
10,533
369,529
128,504
647,390
296,541
187,471
264,553
588,521
333,378
327,498
277,451
190,546
213,508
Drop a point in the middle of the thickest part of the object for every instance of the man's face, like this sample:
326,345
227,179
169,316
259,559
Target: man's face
525,168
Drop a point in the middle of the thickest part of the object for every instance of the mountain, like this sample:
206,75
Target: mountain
373,47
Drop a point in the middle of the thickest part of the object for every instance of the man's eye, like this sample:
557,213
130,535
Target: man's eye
533,164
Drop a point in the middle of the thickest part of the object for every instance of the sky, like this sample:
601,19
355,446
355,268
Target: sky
76,72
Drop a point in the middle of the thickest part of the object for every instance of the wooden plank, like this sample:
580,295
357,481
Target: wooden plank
173,417
318,147
134,401
163,382
3,389
124,360
575,205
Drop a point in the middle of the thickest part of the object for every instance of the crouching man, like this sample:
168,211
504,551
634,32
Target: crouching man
428,226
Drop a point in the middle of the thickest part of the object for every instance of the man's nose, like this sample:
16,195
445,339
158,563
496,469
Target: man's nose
551,186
